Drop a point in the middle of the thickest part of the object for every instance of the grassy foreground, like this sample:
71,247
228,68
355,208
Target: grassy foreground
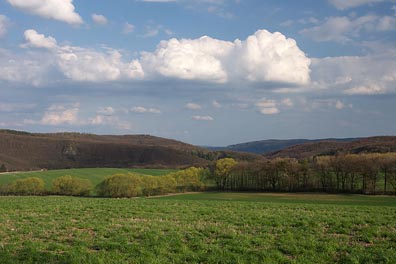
199,228
95,175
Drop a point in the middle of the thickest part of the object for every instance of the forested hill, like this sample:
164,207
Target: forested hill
271,145
332,147
30,151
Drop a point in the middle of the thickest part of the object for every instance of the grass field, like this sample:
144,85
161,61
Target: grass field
199,228
95,175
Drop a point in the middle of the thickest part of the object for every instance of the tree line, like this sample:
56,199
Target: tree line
118,185
346,173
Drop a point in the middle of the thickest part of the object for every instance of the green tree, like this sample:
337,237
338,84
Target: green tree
223,170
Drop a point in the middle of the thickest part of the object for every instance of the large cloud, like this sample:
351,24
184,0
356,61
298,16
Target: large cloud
198,59
82,64
270,57
263,57
32,69
62,10
344,29
370,74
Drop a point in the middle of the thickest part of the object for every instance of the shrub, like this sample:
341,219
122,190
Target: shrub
189,179
121,185
68,185
28,186
149,185
166,184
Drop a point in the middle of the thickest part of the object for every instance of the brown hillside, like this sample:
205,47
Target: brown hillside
26,151
328,147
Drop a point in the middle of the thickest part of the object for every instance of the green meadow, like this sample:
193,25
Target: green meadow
199,228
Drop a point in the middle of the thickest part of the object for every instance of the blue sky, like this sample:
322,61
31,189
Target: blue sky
209,72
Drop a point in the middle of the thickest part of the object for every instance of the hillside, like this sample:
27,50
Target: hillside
271,145
30,151
331,147
33,151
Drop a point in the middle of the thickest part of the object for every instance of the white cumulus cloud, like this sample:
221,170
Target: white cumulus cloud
197,59
62,10
263,57
36,40
271,57
81,64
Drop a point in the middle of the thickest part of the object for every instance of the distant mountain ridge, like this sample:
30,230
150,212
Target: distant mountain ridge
380,144
271,145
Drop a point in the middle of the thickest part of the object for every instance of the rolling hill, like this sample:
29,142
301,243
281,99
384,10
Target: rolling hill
271,145
33,151
381,144
30,151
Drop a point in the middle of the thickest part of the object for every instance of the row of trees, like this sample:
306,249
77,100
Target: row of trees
350,173
118,185
132,185
363,173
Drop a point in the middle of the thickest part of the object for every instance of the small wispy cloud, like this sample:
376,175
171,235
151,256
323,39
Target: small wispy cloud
128,28
99,19
267,106
142,110
202,118
193,106
216,104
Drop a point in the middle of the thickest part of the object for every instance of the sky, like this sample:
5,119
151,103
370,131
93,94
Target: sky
206,72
